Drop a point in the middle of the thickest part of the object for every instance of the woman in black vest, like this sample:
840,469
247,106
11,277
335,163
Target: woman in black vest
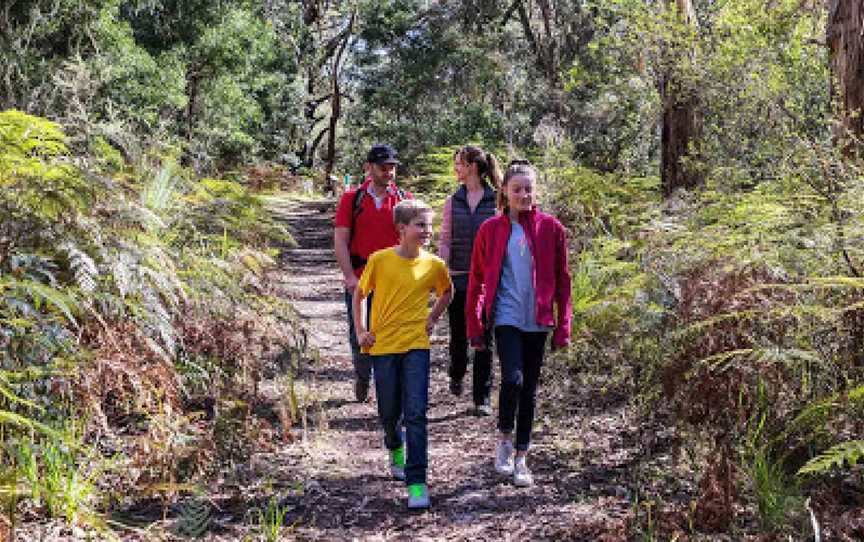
479,177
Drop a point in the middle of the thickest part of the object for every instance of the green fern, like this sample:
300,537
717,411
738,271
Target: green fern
817,413
12,418
38,181
193,519
160,193
25,142
846,453
43,298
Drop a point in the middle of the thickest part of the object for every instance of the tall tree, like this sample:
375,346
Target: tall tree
336,98
681,122
555,31
846,43
323,53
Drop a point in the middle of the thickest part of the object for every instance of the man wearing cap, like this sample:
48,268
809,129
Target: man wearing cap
364,224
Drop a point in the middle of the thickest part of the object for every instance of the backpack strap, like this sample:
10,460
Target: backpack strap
356,207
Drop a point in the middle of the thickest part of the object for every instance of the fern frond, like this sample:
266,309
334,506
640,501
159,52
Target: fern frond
846,453
785,356
157,322
44,295
161,191
10,396
11,418
84,269
161,284
161,270
194,518
253,260
817,413
797,312
718,360
122,269
838,282
813,283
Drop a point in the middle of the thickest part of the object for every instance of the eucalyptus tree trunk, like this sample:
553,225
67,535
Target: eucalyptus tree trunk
843,34
336,105
682,120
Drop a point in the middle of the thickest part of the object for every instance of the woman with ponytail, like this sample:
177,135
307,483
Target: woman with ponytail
474,202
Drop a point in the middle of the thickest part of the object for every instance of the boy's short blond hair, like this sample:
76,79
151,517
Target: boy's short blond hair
409,209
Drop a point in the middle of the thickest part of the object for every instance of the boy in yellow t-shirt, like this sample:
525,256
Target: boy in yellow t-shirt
398,339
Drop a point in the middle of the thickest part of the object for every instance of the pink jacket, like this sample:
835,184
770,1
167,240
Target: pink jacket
547,240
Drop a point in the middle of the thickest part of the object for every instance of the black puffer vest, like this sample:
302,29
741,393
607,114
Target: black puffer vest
465,226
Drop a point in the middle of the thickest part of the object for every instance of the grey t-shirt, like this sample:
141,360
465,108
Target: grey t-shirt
515,302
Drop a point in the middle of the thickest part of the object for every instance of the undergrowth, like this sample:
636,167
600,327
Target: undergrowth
137,317
736,318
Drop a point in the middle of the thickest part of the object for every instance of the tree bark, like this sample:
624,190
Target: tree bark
682,120
681,129
336,107
843,35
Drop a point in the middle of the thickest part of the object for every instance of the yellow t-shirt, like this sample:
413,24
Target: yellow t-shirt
400,305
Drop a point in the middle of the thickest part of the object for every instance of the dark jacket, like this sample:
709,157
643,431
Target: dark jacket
465,225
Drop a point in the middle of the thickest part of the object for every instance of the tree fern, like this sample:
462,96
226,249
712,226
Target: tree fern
846,453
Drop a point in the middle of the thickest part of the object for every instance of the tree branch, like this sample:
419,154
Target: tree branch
526,26
509,13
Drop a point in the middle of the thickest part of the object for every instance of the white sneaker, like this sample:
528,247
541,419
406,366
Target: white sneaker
521,475
504,458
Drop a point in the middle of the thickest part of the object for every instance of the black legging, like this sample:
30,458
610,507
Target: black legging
482,377
521,356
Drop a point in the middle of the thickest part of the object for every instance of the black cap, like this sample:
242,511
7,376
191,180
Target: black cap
382,154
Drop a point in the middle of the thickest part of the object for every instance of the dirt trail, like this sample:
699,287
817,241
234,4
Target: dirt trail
338,467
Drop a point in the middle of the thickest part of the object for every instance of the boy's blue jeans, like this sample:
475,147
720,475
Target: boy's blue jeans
402,388
362,363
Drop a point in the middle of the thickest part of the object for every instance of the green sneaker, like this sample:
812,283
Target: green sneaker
397,463
418,497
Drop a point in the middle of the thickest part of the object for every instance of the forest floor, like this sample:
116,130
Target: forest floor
585,453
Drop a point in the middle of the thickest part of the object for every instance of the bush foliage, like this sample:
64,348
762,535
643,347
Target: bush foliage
140,295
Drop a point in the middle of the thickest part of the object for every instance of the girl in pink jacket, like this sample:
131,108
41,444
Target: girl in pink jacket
519,284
